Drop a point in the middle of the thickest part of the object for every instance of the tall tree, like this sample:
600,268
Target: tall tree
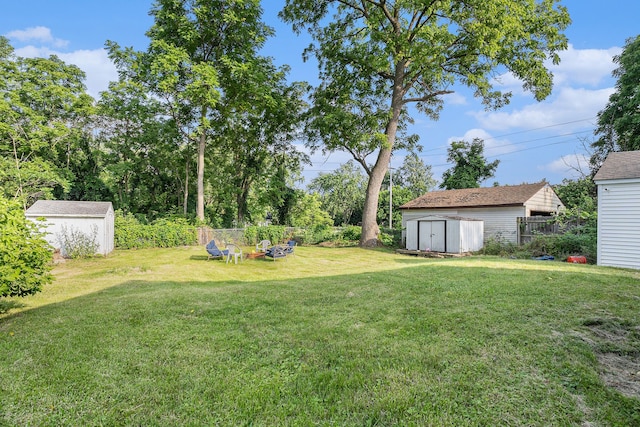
256,127
414,175
199,52
470,166
141,150
619,121
44,111
383,55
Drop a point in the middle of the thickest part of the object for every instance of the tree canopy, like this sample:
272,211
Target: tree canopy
415,176
44,112
376,57
619,121
470,166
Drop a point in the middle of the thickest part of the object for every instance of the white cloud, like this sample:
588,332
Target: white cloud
455,99
578,67
571,105
37,34
95,63
584,66
492,146
97,66
571,166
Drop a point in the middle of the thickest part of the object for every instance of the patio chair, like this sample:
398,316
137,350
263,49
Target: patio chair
276,252
214,252
263,245
289,248
235,252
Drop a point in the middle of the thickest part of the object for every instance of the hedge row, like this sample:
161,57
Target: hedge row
162,233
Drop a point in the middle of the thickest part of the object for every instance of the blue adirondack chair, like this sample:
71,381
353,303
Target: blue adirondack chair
290,245
214,252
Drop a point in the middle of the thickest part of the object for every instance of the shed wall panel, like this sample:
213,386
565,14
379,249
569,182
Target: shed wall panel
619,224
471,236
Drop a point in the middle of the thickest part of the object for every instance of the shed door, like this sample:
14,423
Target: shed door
431,236
412,235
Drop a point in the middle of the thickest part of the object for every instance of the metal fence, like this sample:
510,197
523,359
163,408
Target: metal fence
226,235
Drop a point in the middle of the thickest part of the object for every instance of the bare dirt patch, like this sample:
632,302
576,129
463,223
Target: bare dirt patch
617,346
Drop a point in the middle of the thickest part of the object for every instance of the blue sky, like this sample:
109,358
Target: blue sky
533,140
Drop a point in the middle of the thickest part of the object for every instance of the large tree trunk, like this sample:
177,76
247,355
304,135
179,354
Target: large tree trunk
370,230
201,149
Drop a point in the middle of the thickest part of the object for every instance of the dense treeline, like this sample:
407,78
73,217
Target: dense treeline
140,145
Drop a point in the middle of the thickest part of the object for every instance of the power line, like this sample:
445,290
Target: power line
542,127
509,144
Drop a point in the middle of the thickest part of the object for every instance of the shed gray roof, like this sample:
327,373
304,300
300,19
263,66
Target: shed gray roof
619,165
451,217
69,208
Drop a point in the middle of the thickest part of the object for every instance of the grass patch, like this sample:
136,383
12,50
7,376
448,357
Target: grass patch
330,336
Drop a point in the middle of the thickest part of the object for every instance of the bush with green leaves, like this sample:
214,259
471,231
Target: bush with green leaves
76,243
161,233
577,241
318,234
391,237
25,256
352,232
274,233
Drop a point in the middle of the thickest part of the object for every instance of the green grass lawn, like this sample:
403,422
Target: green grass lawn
327,337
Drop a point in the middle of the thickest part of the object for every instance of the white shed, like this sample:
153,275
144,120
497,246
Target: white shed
498,207
91,218
618,181
449,234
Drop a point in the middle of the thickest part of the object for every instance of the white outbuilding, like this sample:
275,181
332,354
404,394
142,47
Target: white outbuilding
449,234
498,207
63,217
618,181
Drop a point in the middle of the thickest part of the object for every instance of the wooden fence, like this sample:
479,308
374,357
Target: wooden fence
531,226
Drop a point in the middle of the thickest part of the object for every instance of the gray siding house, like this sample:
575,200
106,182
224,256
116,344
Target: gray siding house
90,218
497,207
618,181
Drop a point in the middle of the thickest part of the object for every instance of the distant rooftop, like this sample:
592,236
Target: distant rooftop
620,165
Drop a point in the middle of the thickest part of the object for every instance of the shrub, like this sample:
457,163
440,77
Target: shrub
578,241
352,232
161,233
78,244
318,234
274,233
498,246
25,256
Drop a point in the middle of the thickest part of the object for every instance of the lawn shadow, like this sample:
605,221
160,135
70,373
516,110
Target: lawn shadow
5,306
